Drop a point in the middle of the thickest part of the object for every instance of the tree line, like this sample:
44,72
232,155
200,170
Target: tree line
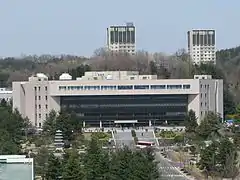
96,163
176,65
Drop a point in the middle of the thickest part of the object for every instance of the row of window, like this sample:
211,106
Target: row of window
126,87
39,88
39,106
39,98
124,105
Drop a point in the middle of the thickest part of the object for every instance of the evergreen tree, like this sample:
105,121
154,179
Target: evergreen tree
236,139
208,158
209,126
227,159
41,162
191,122
69,124
72,167
53,168
96,162
49,125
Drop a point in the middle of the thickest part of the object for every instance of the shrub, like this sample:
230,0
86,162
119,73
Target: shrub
133,133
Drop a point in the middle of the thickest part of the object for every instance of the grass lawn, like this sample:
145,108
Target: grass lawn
98,135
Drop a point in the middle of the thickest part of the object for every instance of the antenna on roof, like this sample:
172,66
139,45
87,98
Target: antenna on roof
129,24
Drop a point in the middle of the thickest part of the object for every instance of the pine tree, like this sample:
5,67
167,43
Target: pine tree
96,162
191,122
53,168
72,167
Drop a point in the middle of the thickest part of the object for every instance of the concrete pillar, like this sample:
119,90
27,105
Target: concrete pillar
84,124
100,124
150,123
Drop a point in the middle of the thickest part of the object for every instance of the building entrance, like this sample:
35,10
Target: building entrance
126,123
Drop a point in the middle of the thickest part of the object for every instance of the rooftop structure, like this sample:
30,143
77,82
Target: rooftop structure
16,167
110,98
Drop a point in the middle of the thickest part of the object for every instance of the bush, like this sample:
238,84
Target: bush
133,133
135,139
179,139
39,142
100,135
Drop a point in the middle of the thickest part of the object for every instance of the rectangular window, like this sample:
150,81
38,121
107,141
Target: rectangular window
46,98
40,124
46,106
186,86
141,87
39,116
45,88
116,37
132,34
39,106
120,34
127,87
108,87
111,37
39,98
174,86
62,87
158,86
39,88
128,36
92,88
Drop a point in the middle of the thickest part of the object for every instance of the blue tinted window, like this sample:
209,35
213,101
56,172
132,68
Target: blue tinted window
174,86
79,87
62,87
91,87
158,86
128,87
186,86
141,87
108,87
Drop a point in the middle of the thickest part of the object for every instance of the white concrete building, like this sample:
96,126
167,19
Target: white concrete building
5,94
202,46
106,99
122,38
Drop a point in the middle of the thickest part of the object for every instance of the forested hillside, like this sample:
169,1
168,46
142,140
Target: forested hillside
165,66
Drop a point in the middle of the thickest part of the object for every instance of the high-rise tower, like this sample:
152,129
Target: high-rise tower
122,38
202,46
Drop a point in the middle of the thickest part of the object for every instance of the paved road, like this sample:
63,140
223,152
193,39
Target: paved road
124,138
168,171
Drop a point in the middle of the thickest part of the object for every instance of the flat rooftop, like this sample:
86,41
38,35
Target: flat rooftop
14,167
16,171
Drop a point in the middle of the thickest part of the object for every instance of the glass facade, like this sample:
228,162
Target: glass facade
109,108
126,87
